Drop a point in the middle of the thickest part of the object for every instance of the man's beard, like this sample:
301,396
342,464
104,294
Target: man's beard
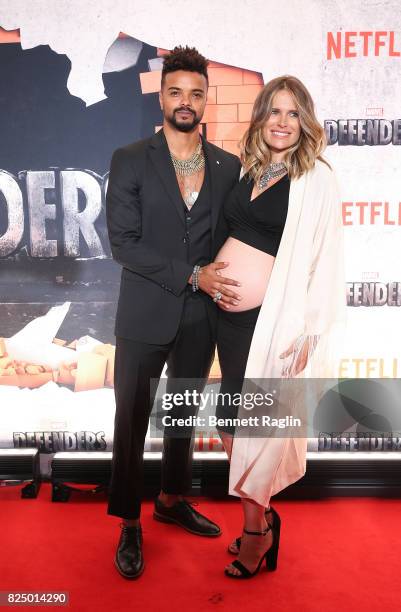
185,126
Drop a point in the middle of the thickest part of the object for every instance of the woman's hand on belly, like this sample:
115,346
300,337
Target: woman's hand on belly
211,281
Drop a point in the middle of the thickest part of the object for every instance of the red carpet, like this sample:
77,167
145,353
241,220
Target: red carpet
336,554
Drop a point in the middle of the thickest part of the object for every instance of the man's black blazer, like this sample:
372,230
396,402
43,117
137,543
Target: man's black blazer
146,225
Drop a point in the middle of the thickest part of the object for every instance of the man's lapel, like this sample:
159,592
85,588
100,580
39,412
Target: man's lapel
161,159
160,156
215,175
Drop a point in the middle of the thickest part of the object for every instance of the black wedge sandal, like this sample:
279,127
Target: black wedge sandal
276,525
270,556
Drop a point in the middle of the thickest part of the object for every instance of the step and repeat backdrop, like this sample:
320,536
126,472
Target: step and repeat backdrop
78,82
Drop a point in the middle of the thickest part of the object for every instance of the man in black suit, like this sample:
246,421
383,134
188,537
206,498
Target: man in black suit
163,200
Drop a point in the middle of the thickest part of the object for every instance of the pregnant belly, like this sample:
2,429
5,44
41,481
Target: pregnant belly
248,266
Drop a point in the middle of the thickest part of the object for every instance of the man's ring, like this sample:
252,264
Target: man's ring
217,297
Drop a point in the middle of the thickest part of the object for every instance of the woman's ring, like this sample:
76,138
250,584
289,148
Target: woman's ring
217,297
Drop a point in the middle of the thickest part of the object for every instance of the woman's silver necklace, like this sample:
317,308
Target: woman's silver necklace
188,167
272,171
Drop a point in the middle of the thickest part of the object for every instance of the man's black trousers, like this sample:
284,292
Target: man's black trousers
189,355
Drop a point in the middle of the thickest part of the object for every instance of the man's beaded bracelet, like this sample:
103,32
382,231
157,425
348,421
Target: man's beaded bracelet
195,278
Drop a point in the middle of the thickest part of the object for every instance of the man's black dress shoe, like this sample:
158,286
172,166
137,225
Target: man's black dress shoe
182,513
129,556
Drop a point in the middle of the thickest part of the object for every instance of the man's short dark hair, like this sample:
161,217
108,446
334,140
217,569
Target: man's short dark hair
184,58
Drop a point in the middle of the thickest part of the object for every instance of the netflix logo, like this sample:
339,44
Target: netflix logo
369,367
379,43
371,213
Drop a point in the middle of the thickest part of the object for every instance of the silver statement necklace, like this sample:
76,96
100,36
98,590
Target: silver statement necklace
188,167
272,171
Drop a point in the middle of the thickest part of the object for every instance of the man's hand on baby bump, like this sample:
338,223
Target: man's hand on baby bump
212,282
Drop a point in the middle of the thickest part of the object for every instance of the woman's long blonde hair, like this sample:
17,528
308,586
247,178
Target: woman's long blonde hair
301,157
